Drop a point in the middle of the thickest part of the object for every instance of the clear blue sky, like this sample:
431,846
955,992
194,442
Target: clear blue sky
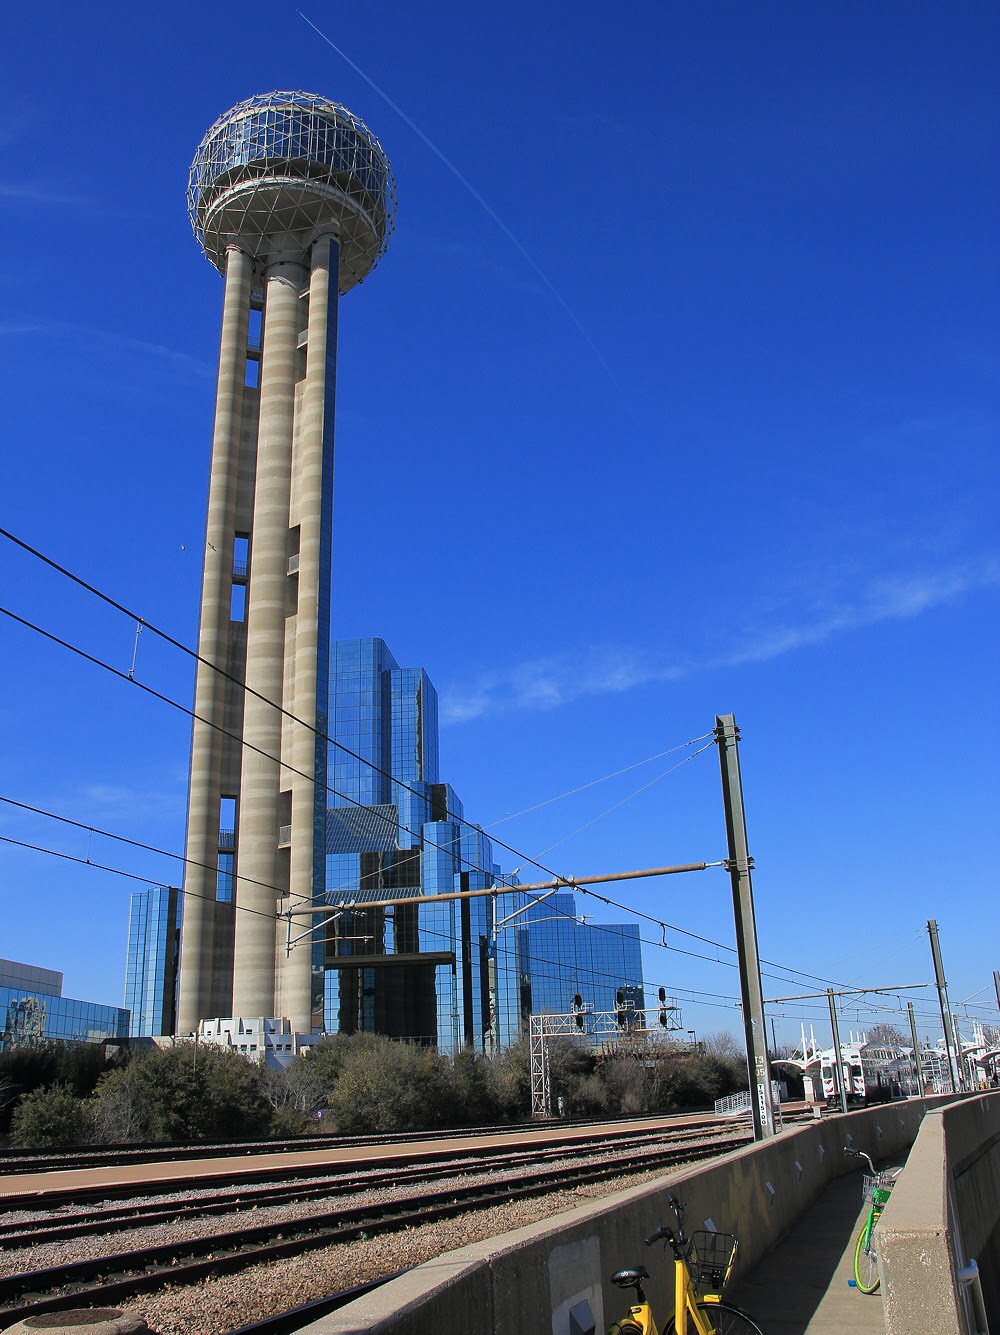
752,471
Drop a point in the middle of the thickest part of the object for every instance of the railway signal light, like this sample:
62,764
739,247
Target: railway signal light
578,1010
621,1015
662,994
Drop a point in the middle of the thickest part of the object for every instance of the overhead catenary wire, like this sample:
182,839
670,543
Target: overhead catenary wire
395,823
118,871
186,649
572,792
697,996
333,907
320,734
90,828
133,616
622,801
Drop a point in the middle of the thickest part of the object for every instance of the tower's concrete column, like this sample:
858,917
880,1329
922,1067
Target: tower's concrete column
268,604
312,510
202,842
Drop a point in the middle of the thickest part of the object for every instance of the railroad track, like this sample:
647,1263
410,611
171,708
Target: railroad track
107,1280
62,1227
242,1176
14,1162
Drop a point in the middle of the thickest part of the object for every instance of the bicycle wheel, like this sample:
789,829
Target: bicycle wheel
866,1260
723,1320
626,1327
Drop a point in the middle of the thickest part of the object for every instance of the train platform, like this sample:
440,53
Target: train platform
801,1287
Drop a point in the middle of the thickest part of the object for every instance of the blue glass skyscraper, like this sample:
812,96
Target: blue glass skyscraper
395,831
151,963
449,974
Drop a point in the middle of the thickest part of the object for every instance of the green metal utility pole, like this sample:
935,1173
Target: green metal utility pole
727,736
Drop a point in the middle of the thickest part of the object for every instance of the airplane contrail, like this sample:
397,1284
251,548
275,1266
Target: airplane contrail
480,200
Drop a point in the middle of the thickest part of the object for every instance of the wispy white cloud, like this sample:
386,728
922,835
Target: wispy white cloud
21,193
159,352
109,801
552,681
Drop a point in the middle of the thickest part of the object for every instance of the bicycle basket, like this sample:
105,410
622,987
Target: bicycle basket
877,1188
711,1259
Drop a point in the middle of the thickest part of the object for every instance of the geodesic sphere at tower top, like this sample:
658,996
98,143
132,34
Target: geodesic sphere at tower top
280,170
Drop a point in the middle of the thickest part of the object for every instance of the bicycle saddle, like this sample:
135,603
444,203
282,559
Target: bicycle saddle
628,1279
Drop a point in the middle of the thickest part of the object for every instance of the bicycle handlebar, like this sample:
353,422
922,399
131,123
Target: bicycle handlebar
662,1234
665,1233
860,1154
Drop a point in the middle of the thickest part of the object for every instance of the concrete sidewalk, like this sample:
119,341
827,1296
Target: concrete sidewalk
802,1285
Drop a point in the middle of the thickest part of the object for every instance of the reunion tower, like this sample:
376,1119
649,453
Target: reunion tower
293,200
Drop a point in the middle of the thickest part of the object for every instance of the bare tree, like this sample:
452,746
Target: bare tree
888,1035
301,1087
120,1118
723,1045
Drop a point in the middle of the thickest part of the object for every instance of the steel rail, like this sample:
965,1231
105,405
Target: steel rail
422,1153
286,1323
105,1280
35,1232
61,1228
14,1161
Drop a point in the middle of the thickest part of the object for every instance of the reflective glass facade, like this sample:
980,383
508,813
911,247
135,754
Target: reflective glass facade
151,962
32,1010
562,957
435,973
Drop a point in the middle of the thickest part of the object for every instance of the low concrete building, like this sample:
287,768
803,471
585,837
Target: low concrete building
266,1039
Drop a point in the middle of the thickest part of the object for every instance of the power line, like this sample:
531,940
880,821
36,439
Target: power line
645,787
175,704
81,825
322,736
515,815
135,843
129,875
396,823
697,996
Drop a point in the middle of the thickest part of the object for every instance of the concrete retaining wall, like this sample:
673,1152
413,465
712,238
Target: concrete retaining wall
550,1277
944,1211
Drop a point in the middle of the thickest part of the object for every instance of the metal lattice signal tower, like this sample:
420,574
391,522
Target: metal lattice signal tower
580,1023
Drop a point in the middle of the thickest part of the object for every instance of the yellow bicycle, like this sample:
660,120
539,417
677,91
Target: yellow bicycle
703,1263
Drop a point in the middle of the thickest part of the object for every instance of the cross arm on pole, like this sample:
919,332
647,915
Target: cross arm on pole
846,992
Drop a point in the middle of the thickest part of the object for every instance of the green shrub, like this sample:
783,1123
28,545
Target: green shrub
50,1117
383,1086
190,1092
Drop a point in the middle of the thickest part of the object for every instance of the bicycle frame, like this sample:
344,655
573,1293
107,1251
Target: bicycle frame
688,1320
866,1276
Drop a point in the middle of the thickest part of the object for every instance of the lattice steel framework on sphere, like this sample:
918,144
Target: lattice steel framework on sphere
283,168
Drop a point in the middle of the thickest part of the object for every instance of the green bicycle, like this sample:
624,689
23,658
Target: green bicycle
876,1187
